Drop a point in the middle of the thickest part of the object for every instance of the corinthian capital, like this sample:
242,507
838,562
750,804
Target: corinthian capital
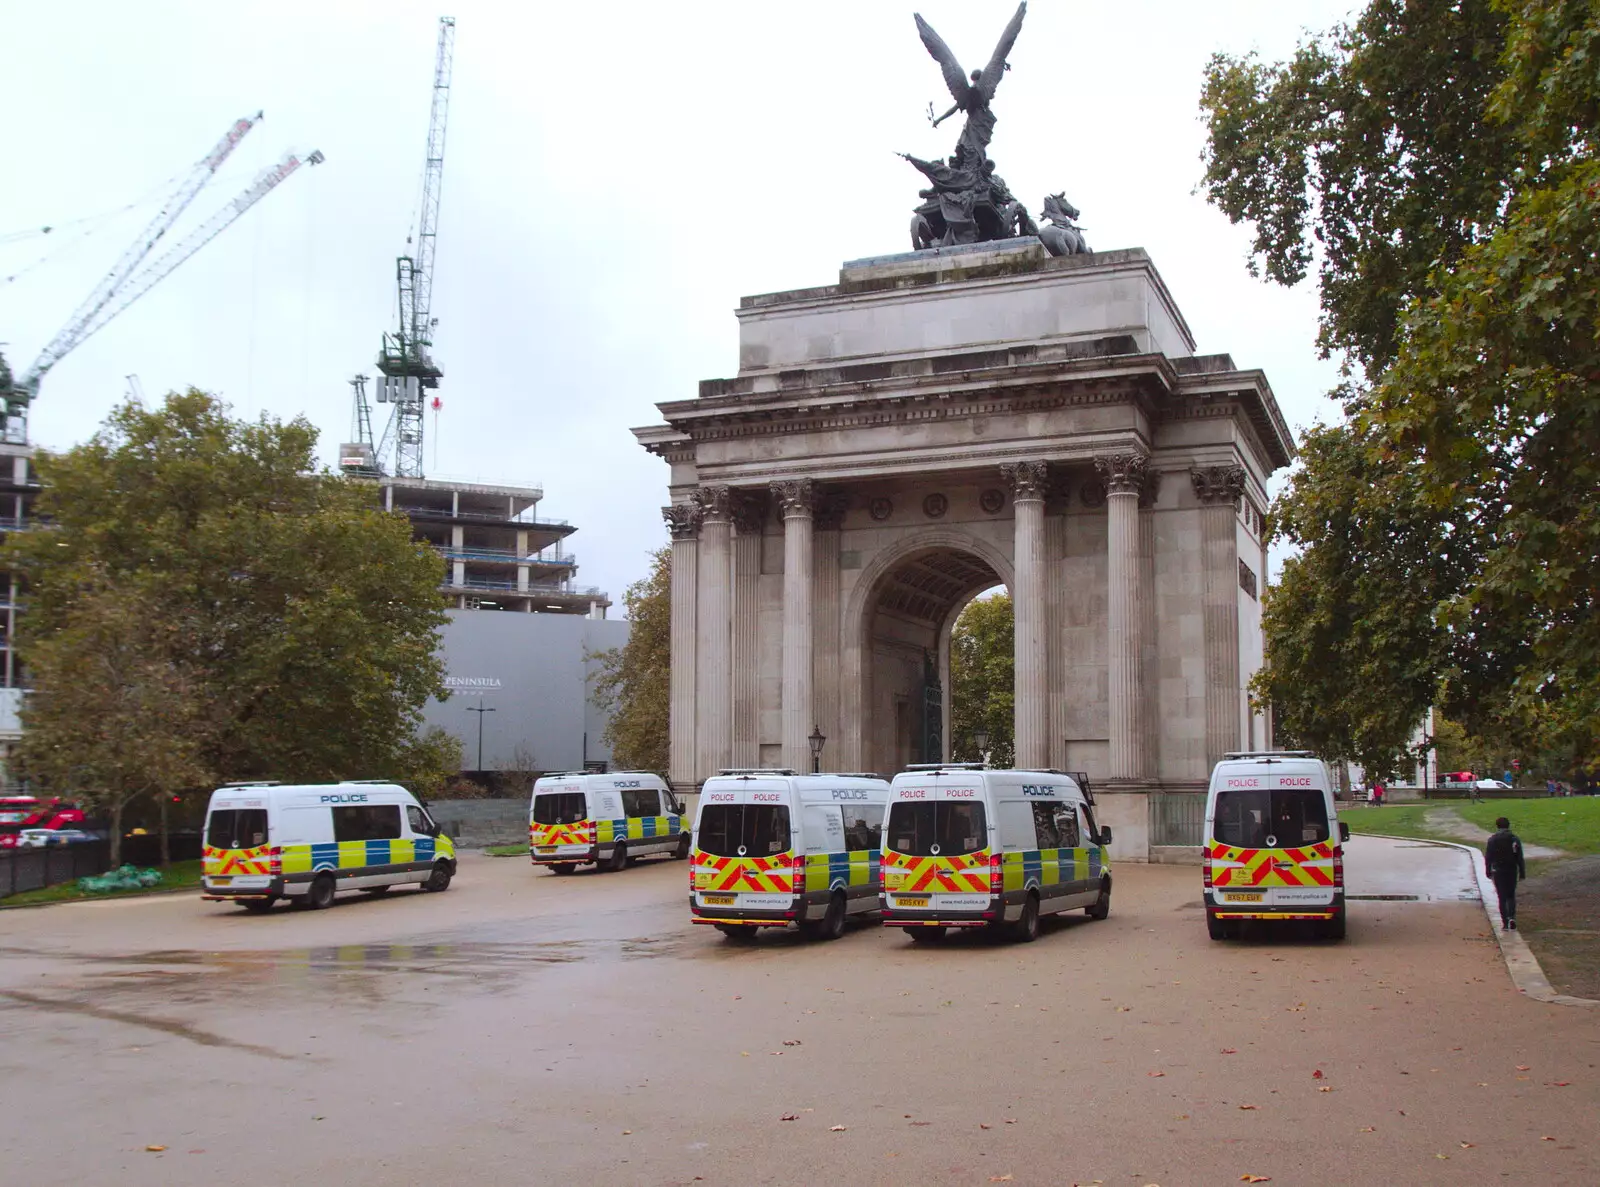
831,509
683,520
1218,484
749,508
715,503
1028,480
797,497
1123,473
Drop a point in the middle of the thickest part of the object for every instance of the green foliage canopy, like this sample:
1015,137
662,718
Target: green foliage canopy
287,627
983,680
1437,162
633,681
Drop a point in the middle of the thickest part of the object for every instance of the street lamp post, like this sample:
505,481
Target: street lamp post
480,710
980,739
817,741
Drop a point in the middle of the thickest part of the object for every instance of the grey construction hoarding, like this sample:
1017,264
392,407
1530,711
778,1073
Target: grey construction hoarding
530,670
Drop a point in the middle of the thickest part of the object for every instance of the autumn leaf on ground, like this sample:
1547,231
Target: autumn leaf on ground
1325,1088
1317,1074
922,1123
1524,1067
981,1125
1255,1178
1467,1145
154,1149
999,1178
1369,1129
837,1128
1247,1106
1546,1138
1557,1083
790,1117
1155,1073
1011,1120
791,1042
1230,1051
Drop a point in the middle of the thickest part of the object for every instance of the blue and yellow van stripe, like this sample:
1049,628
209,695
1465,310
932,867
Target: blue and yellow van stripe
637,828
353,855
1051,867
856,868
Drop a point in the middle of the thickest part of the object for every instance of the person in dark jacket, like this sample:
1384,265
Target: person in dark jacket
1502,861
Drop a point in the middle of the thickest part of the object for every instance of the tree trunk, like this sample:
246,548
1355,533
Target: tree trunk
116,834
166,848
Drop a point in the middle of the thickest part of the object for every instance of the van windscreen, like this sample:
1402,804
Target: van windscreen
1270,819
761,830
939,828
561,807
237,828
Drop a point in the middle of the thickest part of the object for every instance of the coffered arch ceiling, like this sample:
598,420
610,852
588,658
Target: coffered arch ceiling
929,586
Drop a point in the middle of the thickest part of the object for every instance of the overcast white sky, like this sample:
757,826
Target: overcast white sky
617,176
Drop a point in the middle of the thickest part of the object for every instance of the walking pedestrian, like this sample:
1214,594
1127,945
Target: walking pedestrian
1502,861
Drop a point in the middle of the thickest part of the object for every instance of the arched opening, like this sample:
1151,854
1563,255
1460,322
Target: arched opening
982,683
908,619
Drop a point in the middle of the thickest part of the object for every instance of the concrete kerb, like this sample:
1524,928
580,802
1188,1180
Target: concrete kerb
1521,963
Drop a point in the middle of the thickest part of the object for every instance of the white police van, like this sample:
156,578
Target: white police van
1274,846
965,846
584,817
772,847
304,843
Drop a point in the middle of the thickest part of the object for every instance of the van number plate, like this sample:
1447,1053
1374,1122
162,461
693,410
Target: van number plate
719,900
223,881
547,848
911,900
1254,897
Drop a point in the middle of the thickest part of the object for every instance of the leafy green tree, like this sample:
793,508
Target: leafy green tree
1436,161
633,682
983,680
298,622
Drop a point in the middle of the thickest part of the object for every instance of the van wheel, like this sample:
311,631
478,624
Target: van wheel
619,858
1102,905
257,906
320,896
1333,929
737,932
1221,929
925,935
563,867
831,925
1026,929
682,852
439,879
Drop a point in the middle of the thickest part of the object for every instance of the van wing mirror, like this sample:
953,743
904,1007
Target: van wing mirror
1105,834
1344,831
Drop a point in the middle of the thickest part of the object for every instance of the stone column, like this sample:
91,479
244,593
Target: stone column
749,518
1124,478
1219,489
714,634
825,674
796,500
683,521
1031,704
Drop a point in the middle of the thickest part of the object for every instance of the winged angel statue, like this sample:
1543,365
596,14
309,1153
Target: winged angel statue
972,97
967,201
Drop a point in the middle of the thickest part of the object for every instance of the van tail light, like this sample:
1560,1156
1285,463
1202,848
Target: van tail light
1205,866
798,872
996,878
1338,869
275,861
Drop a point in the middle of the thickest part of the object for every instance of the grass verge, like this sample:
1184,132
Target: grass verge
507,851
1570,823
180,875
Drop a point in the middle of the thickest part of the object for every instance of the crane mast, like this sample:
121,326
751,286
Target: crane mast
88,316
405,361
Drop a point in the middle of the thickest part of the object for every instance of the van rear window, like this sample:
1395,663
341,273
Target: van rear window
237,828
1267,819
939,828
564,807
760,829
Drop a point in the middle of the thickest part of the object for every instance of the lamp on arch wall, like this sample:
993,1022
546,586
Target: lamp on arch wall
980,739
817,740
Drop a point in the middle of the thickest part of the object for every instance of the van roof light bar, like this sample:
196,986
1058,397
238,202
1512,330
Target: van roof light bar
1270,754
758,771
946,766
853,774
255,783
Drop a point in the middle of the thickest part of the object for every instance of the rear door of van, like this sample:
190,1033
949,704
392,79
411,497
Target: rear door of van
1270,840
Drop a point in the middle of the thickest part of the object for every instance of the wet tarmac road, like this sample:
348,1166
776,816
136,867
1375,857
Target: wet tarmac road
527,1028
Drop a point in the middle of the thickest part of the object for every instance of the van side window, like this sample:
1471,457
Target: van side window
418,819
863,826
1044,827
1091,834
1067,826
645,801
369,822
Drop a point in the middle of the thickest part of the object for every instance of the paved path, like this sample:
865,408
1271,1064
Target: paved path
1450,823
528,1028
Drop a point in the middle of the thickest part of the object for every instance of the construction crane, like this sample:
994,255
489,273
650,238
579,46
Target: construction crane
19,394
111,299
405,360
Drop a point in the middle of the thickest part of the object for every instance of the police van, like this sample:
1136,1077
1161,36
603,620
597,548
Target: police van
964,846
1271,849
305,843
582,818
772,847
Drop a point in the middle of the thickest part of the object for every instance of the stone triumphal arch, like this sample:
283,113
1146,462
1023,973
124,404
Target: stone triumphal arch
937,423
